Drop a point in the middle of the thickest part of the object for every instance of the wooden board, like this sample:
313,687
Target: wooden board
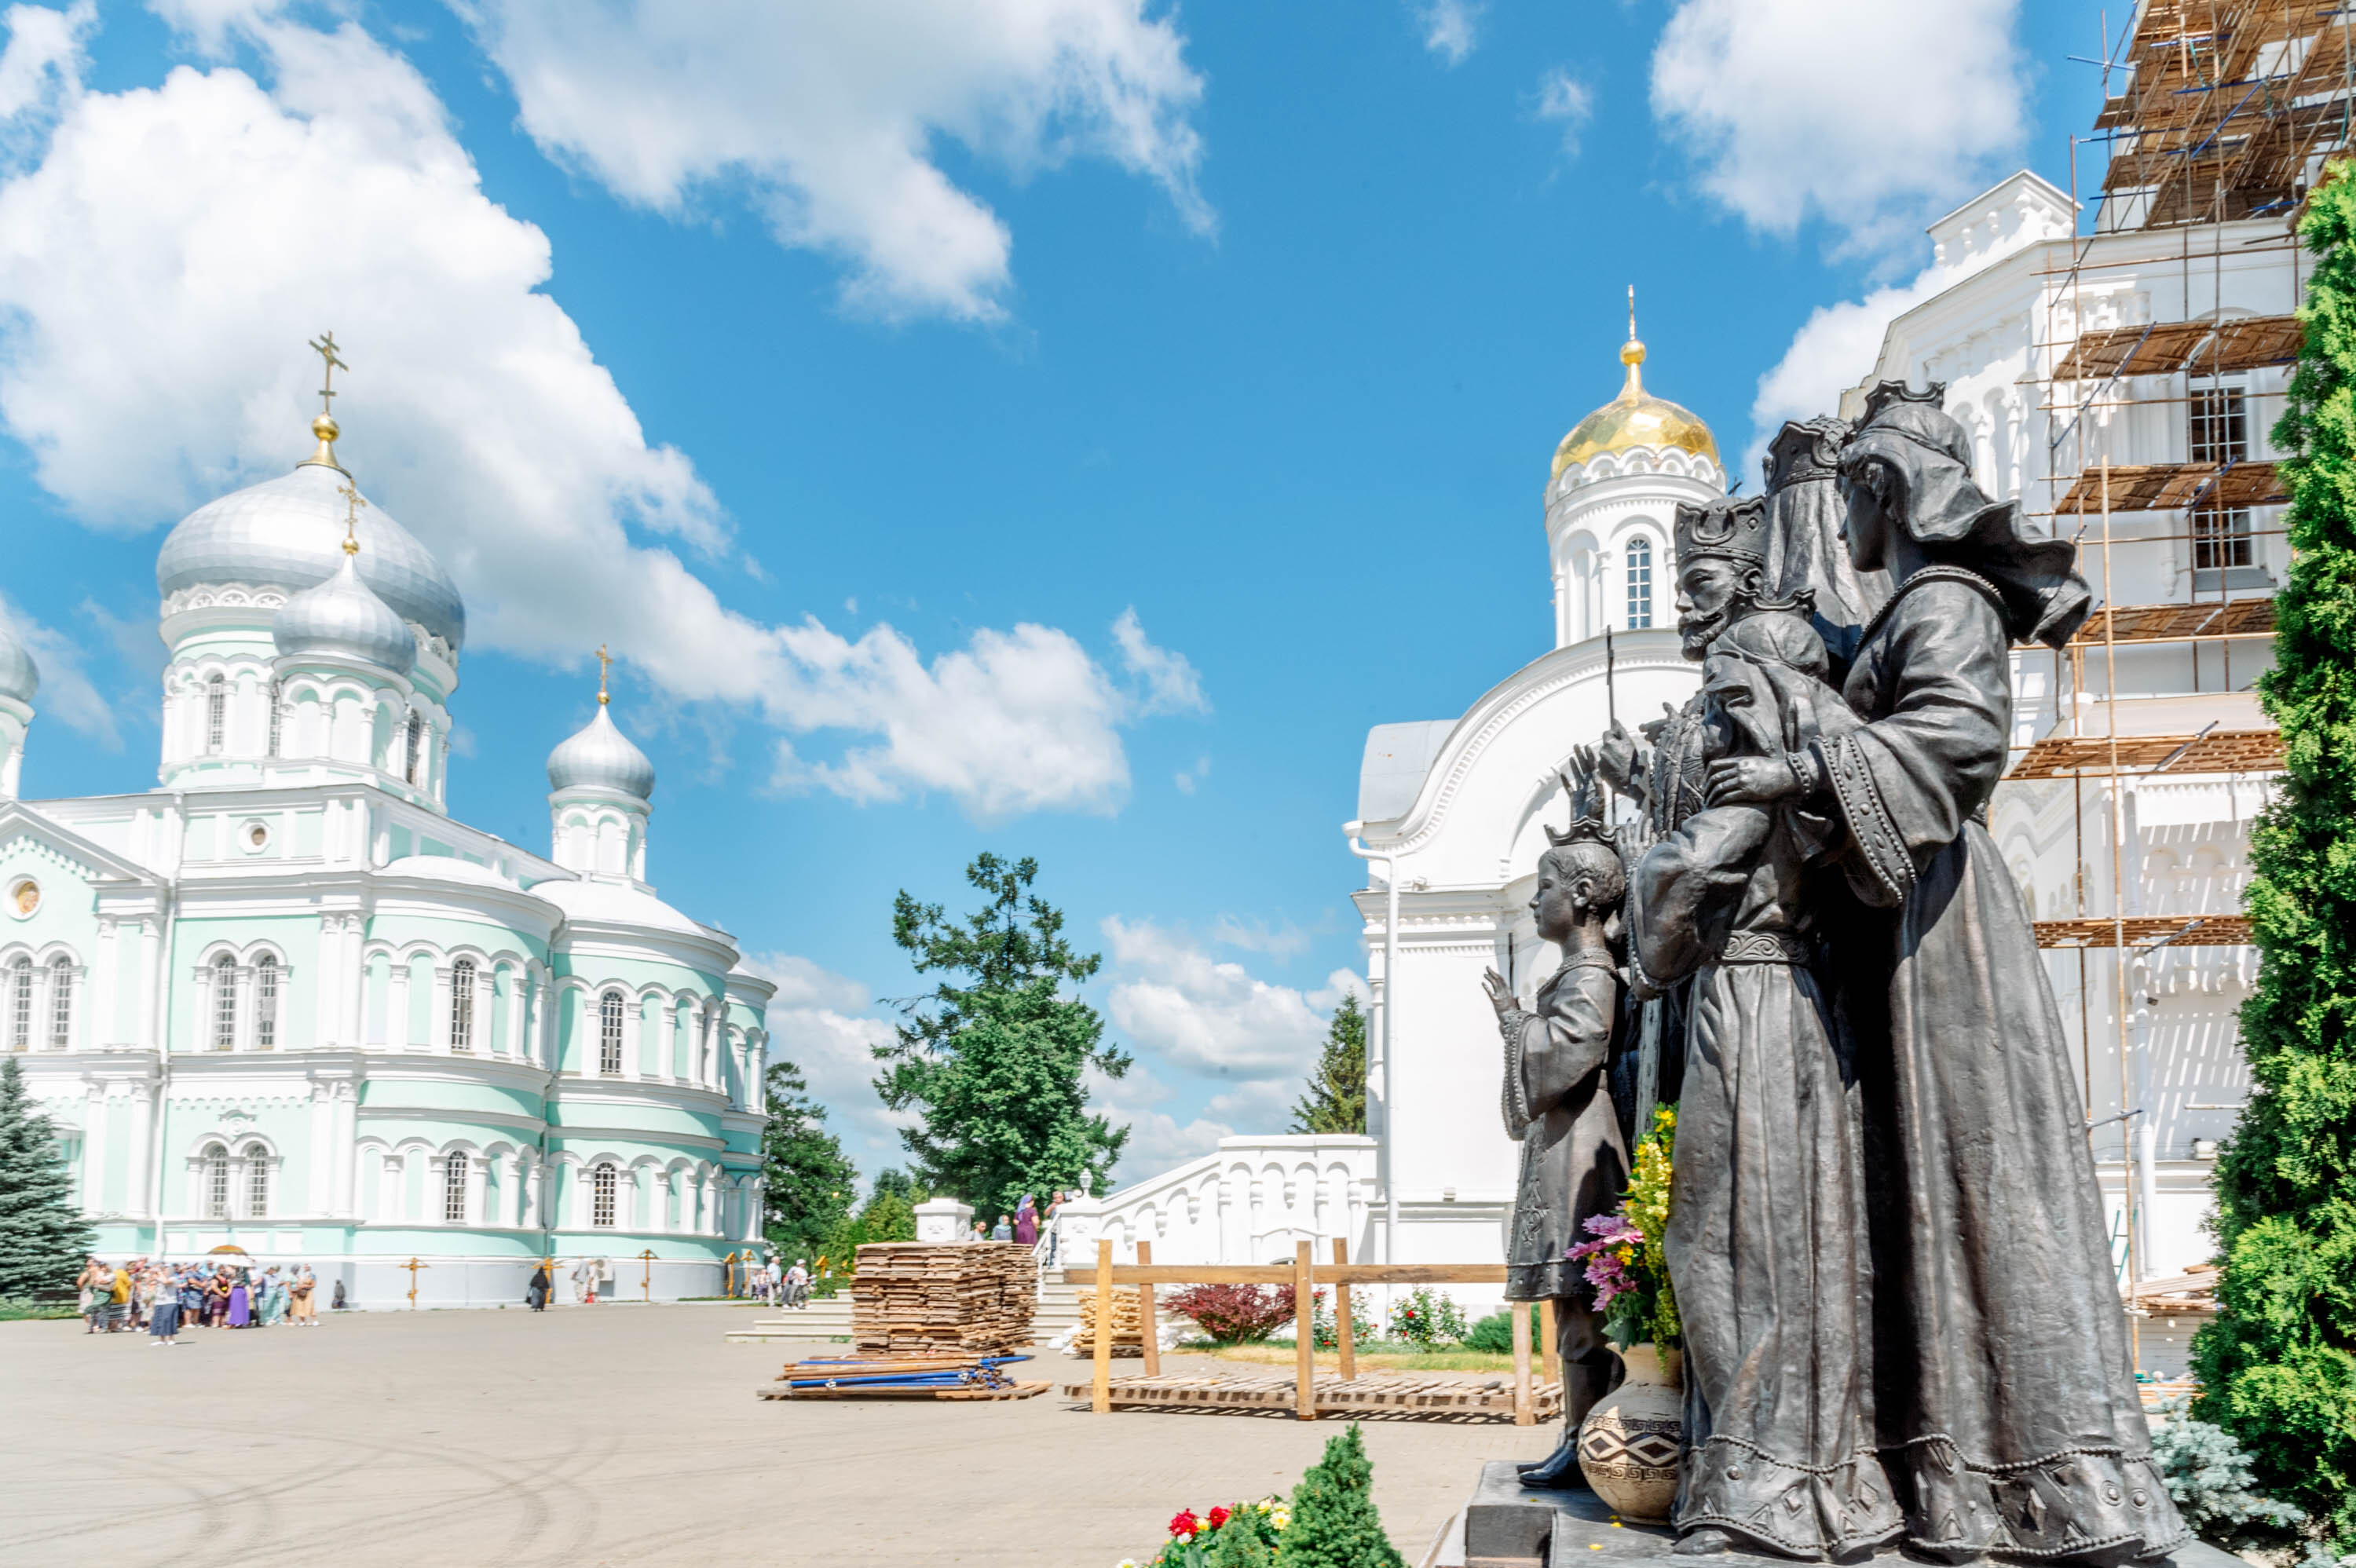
1334,1396
1018,1391
1281,1274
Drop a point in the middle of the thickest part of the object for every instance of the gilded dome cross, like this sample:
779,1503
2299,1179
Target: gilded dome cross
323,345
353,502
604,664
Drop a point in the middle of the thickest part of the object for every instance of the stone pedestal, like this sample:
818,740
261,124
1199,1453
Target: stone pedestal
941,1219
1507,1525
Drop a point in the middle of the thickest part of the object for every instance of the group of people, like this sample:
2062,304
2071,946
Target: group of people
164,1299
774,1283
1026,1224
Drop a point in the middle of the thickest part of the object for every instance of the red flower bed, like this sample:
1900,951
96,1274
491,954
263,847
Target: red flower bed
1236,1314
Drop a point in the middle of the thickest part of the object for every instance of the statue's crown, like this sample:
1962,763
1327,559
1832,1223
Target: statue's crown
1586,792
1736,530
1805,450
1886,393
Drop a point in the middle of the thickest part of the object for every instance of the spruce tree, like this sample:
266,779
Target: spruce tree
809,1178
1335,1524
996,1068
2277,1368
1336,1099
43,1241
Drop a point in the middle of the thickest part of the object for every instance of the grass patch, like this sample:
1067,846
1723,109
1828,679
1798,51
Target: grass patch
16,1309
1379,1357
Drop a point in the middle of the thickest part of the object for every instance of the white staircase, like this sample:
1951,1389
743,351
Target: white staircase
821,1320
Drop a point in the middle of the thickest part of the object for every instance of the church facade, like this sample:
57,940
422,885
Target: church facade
284,1002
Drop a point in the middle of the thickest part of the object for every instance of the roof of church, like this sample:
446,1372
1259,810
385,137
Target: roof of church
1634,418
19,676
599,755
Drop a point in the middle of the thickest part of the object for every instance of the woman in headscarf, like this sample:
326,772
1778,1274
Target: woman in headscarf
241,1301
535,1294
2007,1410
1027,1222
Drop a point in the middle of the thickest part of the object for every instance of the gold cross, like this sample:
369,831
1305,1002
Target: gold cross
1632,310
604,664
323,345
353,502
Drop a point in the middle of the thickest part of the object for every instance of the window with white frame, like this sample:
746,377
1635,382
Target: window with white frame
62,984
1640,583
603,1184
214,1174
277,714
2218,431
454,1190
224,1003
462,1004
265,1002
257,1181
216,715
610,1033
412,747
20,1004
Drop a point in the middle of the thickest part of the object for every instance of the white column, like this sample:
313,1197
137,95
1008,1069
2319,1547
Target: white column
93,1151
437,1017
477,1176
355,962
519,1000
543,1022
143,1122
343,1153
95,1017
320,1162
533,1176
480,1029
151,1032
396,1023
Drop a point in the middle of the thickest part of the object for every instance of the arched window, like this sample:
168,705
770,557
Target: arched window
462,1004
216,1181
61,979
602,1183
1640,583
224,1003
454,1190
216,715
265,1002
412,746
20,1004
277,714
257,1181
609,1032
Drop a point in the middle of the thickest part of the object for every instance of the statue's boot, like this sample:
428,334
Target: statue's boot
1560,1469
1707,1541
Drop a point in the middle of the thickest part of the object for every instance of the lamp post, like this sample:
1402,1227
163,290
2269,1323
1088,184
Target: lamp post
1390,973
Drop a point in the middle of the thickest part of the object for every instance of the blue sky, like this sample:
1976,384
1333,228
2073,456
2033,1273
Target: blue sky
1050,426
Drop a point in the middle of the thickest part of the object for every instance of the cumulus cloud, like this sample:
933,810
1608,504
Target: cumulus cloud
1279,940
1206,1015
184,235
43,59
67,693
1167,682
1871,117
1189,780
1564,100
1449,26
828,116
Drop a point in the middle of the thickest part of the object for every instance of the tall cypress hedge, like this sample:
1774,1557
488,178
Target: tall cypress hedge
2278,1367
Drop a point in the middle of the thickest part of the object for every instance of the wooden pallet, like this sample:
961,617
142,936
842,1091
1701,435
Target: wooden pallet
1335,1396
1018,1391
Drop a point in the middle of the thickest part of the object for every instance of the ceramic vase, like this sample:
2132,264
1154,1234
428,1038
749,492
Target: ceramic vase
1629,1444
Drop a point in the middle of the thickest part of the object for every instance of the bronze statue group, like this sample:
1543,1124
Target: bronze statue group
1886,1241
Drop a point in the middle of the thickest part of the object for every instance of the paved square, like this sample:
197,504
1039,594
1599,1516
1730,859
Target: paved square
614,1435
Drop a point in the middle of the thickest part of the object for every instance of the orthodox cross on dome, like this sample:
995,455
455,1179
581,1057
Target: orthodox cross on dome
323,345
353,502
1632,352
605,663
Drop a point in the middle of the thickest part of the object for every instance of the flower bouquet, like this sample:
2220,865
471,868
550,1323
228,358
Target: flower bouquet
1626,1262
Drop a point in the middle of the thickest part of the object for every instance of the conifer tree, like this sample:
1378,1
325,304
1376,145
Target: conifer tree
2278,1367
808,1178
1336,1099
1335,1524
997,1068
43,1241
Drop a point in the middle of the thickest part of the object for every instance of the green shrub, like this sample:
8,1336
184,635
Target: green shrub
1426,1318
1495,1333
1334,1523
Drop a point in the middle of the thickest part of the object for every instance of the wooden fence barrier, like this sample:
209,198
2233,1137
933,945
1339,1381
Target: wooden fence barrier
1304,1274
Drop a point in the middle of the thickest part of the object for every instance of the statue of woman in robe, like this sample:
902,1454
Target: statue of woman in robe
2007,1409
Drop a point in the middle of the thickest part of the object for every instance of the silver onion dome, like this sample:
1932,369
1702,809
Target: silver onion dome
601,756
19,676
342,618
286,532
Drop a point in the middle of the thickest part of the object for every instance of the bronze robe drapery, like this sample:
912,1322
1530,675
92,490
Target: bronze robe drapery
2007,1407
1557,1104
1766,1241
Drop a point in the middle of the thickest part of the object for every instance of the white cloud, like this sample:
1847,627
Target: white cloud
1839,344
1171,999
1871,115
1167,682
188,237
1279,941
67,693
43,59
1567,101
1189,780
827,116
820,1021
1449,26
806,983
1158,1140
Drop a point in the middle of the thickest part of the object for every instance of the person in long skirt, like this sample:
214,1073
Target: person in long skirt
240,1303
1027,1222
536,1294
301,1297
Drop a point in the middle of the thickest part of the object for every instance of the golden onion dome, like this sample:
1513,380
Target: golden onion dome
1634,418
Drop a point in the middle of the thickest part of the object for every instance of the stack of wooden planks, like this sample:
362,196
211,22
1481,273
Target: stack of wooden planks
921,1377
920,1299
1382,1394
1128,1333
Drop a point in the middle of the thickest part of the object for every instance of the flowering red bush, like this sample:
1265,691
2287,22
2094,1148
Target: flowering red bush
1185,1523
1236,1314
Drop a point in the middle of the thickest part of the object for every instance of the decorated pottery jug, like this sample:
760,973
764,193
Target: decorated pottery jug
1628,1445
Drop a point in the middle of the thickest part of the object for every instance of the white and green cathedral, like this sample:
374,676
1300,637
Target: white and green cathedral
283,1001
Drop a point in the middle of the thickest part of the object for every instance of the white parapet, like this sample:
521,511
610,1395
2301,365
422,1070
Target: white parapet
1250,1201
